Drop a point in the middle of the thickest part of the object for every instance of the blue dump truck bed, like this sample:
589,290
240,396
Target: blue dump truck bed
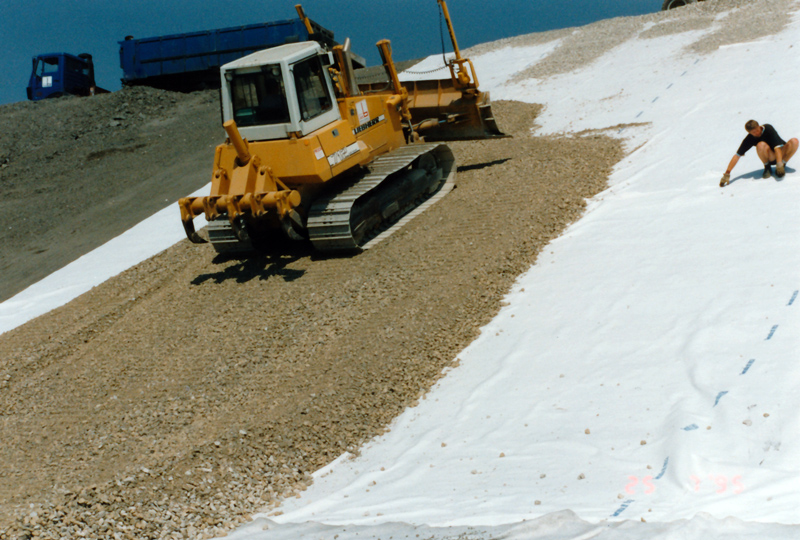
192,60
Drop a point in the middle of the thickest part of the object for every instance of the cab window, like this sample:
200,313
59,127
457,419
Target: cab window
259,98
312,89
47,66
73,66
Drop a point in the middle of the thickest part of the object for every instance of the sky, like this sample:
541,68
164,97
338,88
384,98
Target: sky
31,27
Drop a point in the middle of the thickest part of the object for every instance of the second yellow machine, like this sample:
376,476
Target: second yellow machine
314,155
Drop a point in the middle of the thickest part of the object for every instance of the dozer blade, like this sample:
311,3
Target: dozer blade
445,113
459,115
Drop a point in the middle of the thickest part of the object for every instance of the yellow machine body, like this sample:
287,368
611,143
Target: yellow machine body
292,170
327,129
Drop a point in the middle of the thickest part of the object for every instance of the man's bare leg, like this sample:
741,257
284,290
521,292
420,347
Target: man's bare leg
766,155
783,155
789,149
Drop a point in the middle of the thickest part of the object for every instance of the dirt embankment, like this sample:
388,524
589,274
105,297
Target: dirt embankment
191,390
76,172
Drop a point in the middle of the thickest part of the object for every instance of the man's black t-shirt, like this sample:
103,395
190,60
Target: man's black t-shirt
769,136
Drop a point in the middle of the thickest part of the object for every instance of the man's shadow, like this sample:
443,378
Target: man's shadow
756,175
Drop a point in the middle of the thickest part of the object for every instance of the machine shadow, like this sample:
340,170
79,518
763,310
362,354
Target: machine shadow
484,165
262,265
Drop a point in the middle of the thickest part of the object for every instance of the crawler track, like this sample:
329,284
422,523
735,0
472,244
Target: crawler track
347,219
395,184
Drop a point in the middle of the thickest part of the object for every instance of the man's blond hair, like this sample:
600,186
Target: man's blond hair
751,125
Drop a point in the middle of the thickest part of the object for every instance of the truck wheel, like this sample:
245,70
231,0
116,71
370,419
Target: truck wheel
671,4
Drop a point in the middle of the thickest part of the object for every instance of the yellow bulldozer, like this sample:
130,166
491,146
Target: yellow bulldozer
316,156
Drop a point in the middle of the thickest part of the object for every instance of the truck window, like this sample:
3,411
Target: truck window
259,98
46,66
73,66
312,90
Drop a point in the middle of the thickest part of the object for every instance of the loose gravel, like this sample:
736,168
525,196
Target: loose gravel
720,23
181,396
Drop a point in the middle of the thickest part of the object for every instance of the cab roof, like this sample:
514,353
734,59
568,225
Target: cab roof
289,52
55,54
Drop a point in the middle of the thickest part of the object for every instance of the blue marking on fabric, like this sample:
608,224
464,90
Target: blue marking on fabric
684,73
663,469
654,100
622,508
719,396
695,62
690,427
670,86
771,332
640,114
750,363
794,297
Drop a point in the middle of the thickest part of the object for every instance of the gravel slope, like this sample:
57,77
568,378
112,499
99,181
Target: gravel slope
192,389
76,172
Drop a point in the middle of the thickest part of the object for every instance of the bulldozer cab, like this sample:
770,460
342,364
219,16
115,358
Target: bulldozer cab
311,152
280,93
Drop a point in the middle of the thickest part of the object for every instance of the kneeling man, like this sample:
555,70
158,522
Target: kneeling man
771,150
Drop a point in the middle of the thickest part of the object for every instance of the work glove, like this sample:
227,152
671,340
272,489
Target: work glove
726,179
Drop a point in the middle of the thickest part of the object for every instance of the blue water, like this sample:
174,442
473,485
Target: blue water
31,27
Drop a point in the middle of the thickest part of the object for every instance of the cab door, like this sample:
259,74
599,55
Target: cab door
48,77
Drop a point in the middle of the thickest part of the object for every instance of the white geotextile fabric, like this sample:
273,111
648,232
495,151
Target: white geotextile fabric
646,367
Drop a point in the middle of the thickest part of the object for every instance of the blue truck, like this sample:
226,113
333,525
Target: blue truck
61,74
189,61
182,62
